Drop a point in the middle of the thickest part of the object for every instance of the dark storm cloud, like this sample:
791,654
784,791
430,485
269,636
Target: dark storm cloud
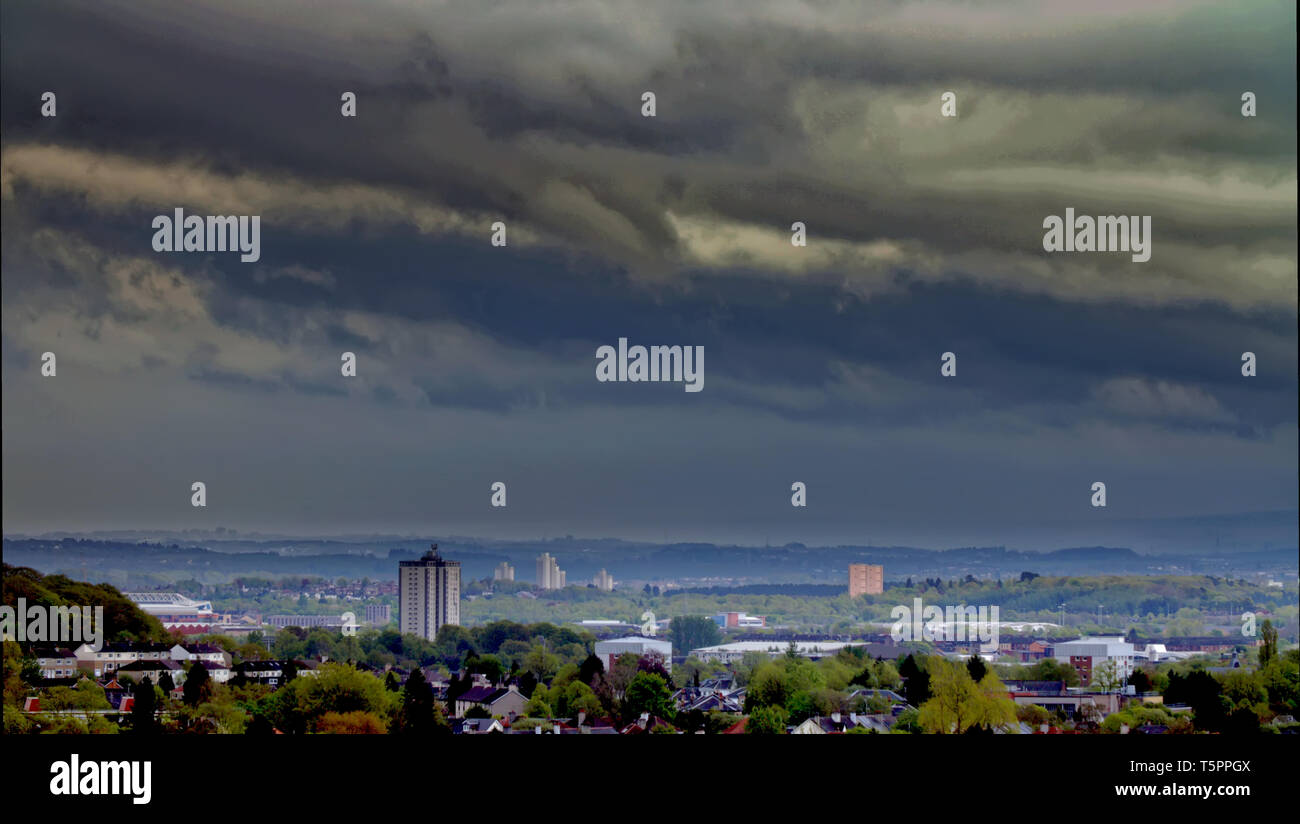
925,234
757,120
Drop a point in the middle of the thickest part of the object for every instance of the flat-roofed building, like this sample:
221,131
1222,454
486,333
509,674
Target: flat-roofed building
609,651
428,595
728,653
305,621
1087,654
739,620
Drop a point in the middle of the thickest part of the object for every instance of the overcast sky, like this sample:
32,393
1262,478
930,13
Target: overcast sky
477,364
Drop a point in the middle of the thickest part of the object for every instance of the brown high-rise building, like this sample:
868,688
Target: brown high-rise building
866,579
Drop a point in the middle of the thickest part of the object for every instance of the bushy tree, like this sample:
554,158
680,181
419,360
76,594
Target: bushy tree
1268,643
960,704
916,681
769,720
419,713
688,632
591,669
1199,690
198,686
144,719
1140,681
648,693
299,705
355,722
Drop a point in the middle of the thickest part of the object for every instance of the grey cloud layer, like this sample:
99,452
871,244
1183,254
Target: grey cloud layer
925,233
823,114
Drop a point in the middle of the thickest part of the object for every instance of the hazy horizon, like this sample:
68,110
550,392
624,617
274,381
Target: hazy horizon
1225,532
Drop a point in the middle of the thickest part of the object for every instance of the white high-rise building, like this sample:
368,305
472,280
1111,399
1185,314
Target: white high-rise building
503,572
603,581
549,574
428,594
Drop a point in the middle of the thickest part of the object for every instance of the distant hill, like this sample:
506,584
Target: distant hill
1094,553
132,565
123,620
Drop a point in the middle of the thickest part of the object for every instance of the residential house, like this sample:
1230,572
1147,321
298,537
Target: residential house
56,662
506,702
477,726
153,670
214,659
109,657
270,671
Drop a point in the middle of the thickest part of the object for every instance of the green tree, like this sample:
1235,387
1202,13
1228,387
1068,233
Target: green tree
1199,690
766,721
537,706
1268,643
298,705
688,632
1049,669
620,675
1140,681
144,720
960,704
419,713
648,693
198,686
541,663
916,681
591,669
487,665
581,698
1033,715
1106,677
908,722
355,722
